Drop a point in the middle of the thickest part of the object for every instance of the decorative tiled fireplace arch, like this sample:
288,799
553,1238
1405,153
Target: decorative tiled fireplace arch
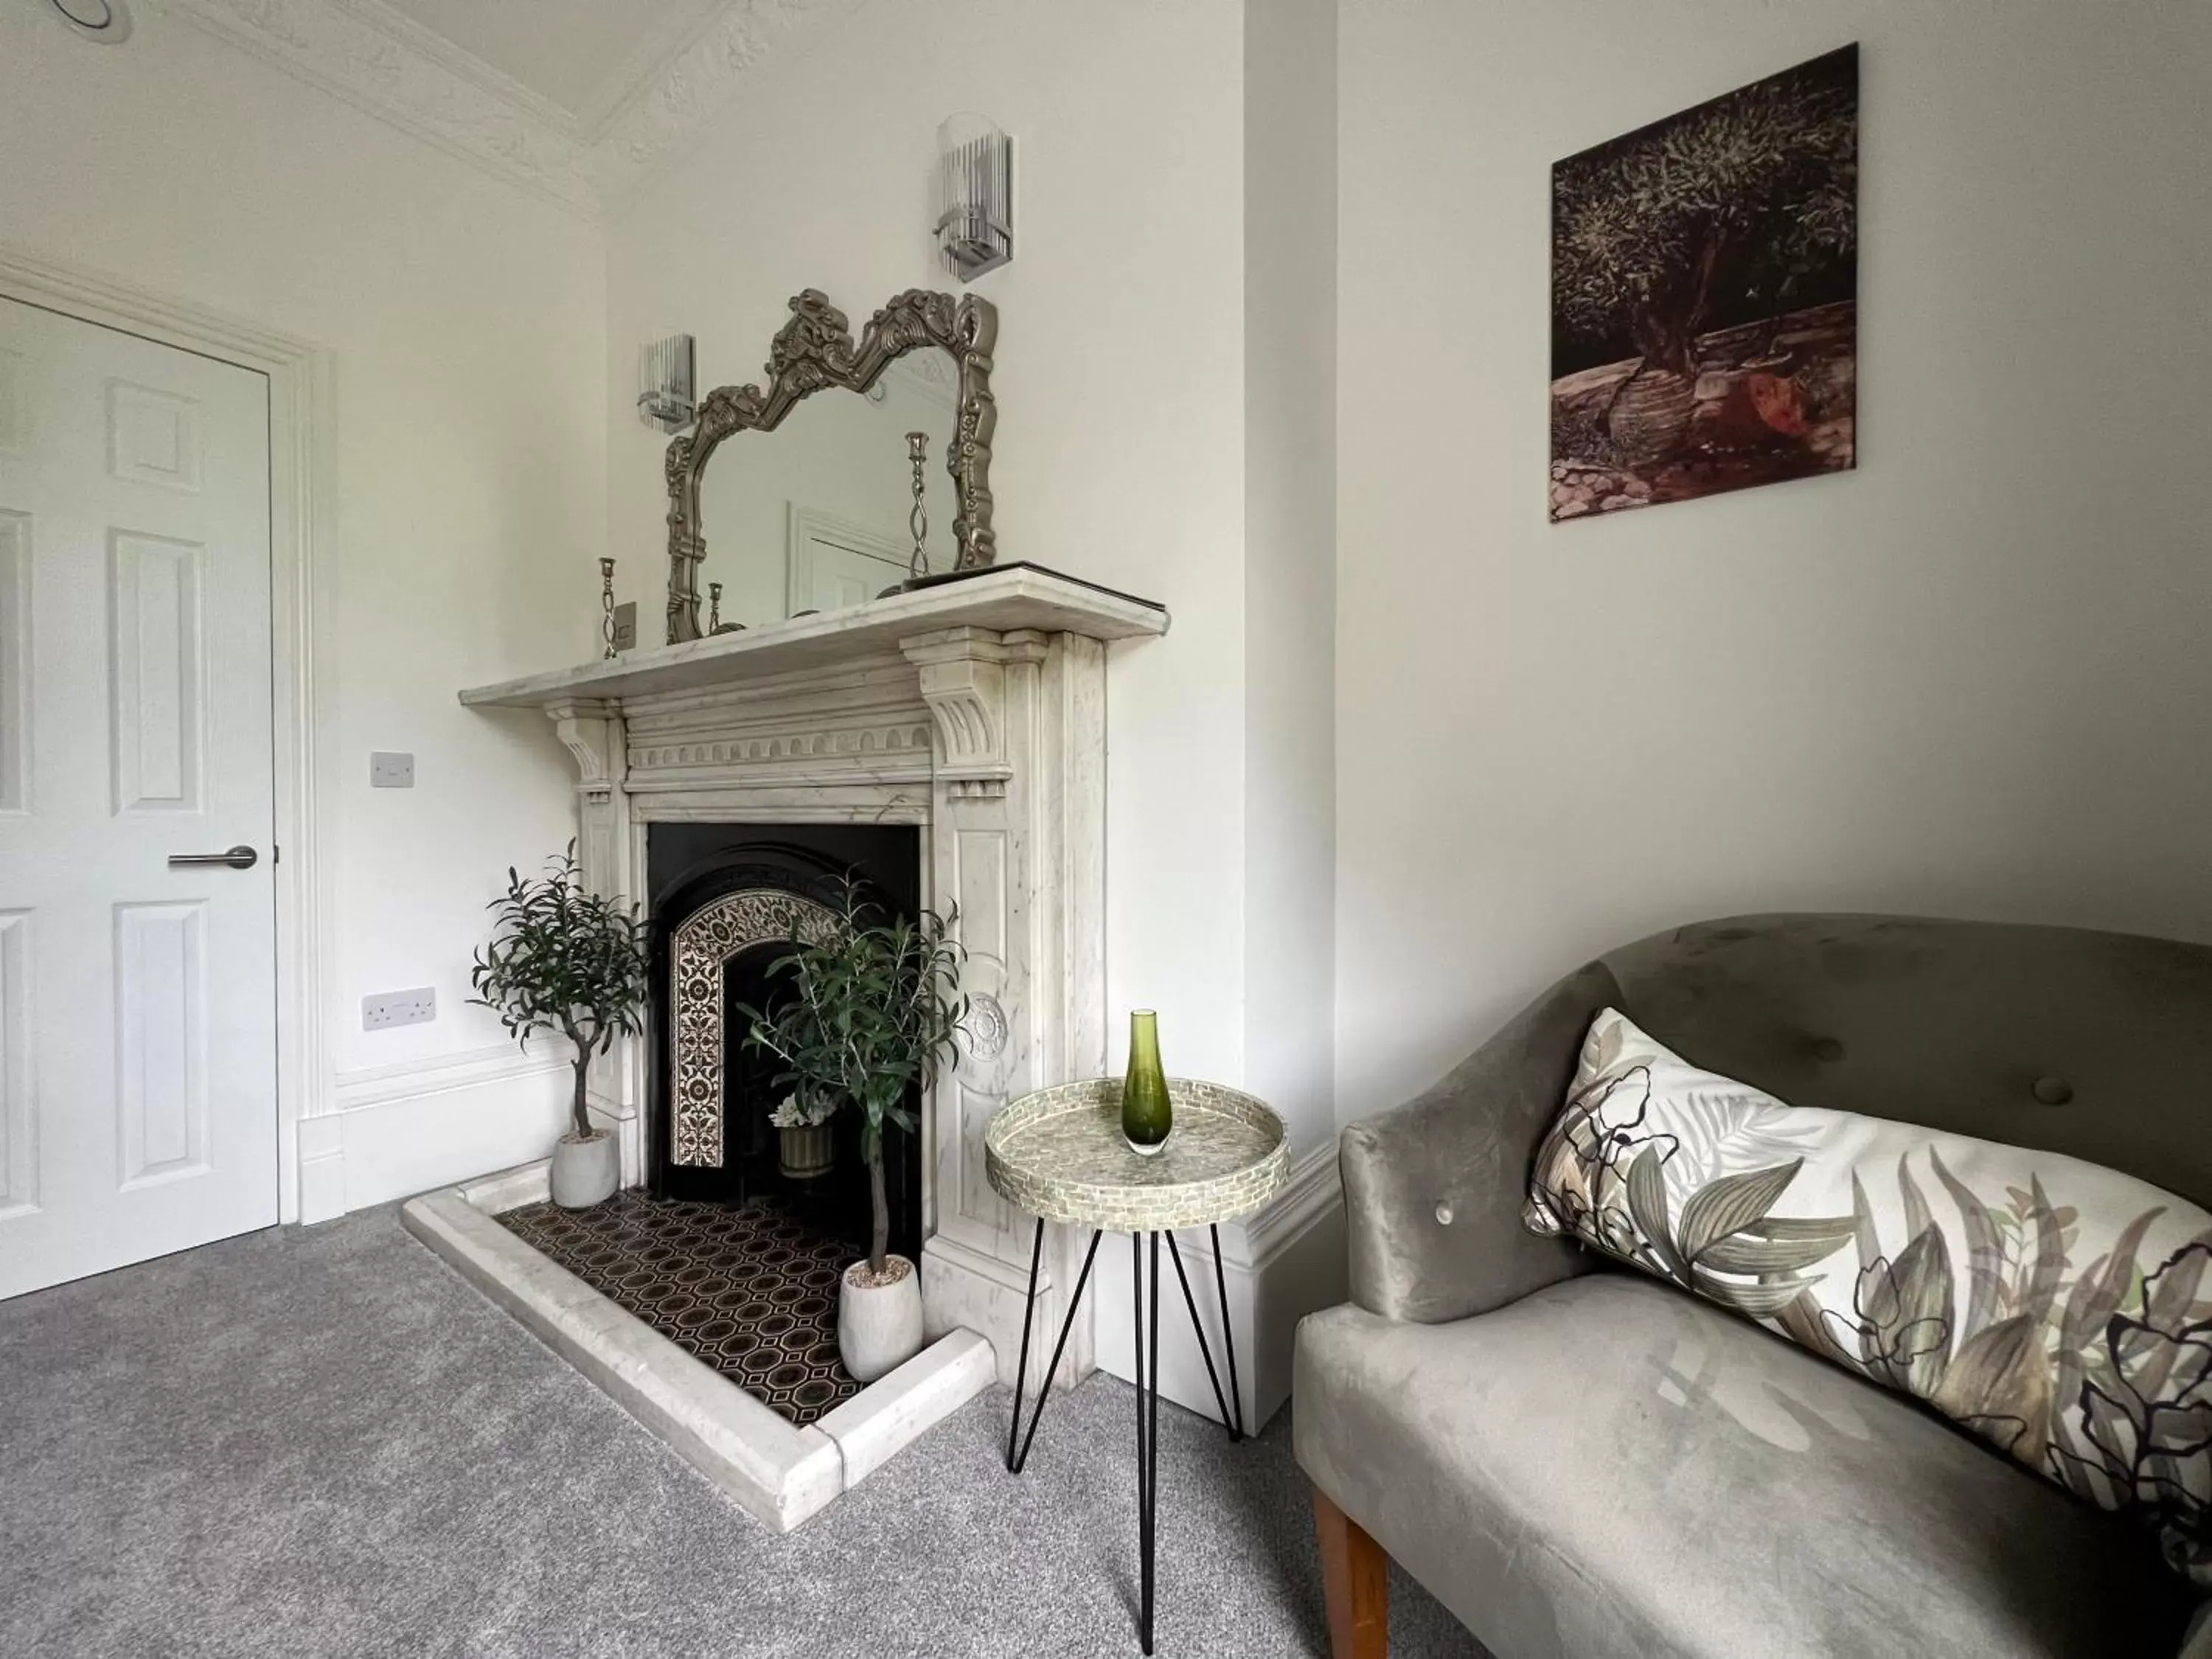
699,952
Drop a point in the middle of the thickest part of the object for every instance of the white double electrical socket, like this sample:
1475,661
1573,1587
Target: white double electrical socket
389,1008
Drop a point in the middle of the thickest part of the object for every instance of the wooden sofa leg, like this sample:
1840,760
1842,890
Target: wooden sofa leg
1355,1578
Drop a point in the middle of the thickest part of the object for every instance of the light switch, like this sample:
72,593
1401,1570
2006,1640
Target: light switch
388,771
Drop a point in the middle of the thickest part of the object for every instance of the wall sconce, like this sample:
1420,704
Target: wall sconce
974,196
665,383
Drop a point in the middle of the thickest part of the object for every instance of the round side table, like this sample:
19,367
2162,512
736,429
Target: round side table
1058,1154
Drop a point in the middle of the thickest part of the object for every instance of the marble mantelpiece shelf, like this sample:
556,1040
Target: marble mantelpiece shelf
1005,598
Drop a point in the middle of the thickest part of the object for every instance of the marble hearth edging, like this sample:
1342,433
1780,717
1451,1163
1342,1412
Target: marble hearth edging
777,1471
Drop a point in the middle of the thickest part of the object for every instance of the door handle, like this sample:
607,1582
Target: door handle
239,858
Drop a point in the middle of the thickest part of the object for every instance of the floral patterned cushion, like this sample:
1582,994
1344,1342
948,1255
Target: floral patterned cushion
2060,1310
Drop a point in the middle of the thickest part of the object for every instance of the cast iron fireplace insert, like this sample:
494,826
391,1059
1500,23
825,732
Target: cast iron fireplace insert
721,898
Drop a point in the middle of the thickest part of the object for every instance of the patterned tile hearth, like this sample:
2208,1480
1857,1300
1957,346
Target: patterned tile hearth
752,1291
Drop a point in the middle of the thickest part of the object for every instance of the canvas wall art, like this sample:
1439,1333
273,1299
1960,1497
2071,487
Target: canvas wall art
1704,289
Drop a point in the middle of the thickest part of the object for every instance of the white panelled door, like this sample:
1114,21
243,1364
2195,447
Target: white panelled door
137,999
835,564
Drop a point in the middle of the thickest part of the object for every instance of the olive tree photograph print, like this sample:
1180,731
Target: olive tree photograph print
1704,285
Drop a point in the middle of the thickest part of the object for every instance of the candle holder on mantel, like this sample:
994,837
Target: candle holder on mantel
607,608
714,623
917,518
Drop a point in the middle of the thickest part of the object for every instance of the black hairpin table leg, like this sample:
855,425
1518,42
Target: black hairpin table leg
1234,1424
1022,1365
1228,1337
1147,1368
1144,1322
1151,1472
1143,1439
1014,1436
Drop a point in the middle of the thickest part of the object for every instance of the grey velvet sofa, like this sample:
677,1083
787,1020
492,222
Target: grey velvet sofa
1580,1461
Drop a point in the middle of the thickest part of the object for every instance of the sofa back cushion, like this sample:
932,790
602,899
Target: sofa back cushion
2091,1044
2061,1310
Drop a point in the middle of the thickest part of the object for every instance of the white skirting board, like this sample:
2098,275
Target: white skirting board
1279,1264
404,1129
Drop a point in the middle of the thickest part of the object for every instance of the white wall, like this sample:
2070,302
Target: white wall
1131,450
465,324
1968,680
1119,371
1295,1253
1290,566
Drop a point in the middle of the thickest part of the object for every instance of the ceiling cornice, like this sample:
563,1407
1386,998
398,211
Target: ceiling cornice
389,66
649,59
389,21
696,83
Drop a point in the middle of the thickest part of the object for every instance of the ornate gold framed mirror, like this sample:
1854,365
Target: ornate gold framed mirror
841,507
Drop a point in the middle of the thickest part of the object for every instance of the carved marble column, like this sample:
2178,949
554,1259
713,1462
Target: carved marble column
1017,838
592,732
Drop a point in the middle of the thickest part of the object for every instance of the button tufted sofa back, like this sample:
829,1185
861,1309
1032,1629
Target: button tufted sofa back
2096,1045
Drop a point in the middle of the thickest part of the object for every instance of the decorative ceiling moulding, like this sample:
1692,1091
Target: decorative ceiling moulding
328,47
385,64
696,84
388,20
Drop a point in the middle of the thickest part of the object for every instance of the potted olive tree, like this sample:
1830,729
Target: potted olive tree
566,960
873,1010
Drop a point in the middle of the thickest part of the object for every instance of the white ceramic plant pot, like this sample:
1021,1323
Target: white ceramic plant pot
878,1326
587,1171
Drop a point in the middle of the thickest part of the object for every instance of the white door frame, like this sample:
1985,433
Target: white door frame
300,487
803,526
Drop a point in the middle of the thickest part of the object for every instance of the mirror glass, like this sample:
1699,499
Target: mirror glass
813,516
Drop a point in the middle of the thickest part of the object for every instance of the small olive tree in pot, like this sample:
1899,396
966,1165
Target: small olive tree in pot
564,959
873,1010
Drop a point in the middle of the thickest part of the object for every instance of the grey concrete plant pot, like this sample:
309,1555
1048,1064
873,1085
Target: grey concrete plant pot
878,1326
587,1170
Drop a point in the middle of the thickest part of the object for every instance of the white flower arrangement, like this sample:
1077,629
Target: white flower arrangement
792,1112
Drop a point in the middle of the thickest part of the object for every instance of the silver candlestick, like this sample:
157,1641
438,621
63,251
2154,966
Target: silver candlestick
917,518
714,623
607,608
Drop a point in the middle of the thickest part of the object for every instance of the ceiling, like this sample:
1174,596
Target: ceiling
572,99
585,58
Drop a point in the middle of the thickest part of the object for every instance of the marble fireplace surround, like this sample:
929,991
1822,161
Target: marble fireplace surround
975,710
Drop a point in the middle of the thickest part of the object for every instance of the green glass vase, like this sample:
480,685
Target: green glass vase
1147,1115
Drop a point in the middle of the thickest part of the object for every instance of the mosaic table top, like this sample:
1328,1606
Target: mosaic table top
1059,1153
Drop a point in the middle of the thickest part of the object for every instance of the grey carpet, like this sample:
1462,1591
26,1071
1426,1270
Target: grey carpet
318,1443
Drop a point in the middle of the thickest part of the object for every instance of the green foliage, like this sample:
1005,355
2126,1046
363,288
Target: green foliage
1755,190
874,1011
562,959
